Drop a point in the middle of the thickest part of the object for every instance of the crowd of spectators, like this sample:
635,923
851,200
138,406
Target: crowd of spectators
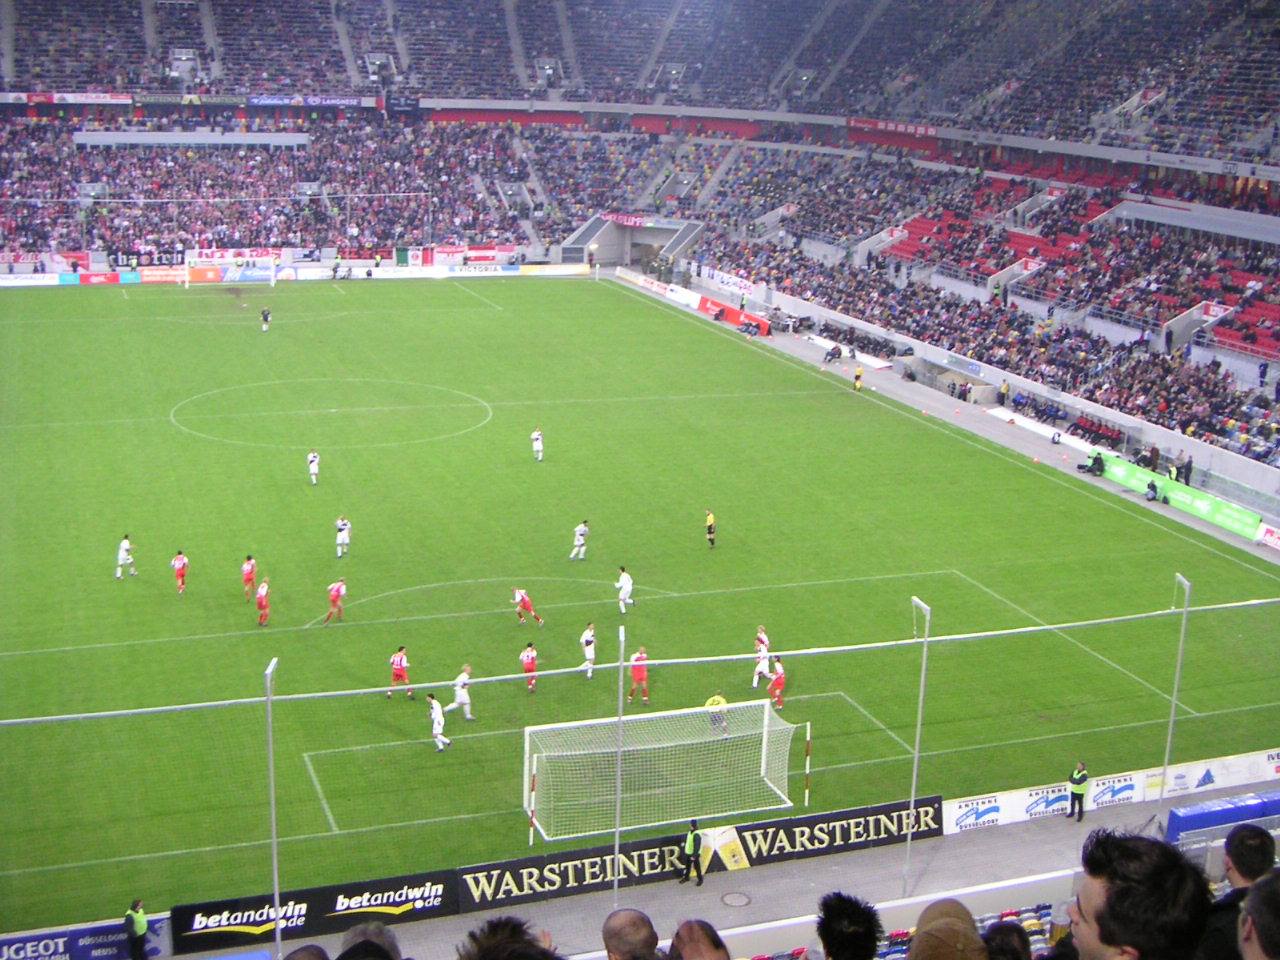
586,174
458,49
290,46
1137,897
1203,74
110,56
540,32
614,40
369,30
837,198
407,185
1200,400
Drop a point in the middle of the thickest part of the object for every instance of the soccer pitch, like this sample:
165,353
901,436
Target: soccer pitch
166,414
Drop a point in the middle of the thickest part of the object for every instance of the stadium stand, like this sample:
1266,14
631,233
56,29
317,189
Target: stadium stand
458,49
289,45
615,38
112,56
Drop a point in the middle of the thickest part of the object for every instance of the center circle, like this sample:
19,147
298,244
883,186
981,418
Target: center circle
330,413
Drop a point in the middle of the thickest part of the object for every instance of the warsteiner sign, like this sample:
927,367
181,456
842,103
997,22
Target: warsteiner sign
563,874
723,848
820,834
310,913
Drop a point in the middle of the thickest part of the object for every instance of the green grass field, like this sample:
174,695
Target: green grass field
164,413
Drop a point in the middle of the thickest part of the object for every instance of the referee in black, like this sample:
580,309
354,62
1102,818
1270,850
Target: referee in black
711,530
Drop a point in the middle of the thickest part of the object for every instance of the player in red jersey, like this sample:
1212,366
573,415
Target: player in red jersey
400,671
337,590
529,657
264,602
248,574
778,683
639,675
524,605
179,564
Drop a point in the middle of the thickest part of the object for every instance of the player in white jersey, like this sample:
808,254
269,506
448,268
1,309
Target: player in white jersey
762,658
588,642
313,467
124,558
624,586
437,723
579,551
536,439
462,693
343,540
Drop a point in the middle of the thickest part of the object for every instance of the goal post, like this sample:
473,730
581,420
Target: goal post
676,765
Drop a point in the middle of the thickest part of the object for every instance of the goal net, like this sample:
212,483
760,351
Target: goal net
671,766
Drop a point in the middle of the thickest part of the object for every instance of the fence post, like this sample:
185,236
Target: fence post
917,606
268,680
617,775
1179,581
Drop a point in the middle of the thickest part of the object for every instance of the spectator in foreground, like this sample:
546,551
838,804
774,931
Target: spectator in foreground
697,940
1249,853
1139,899
506,938
370,941
310,951
1259,926
946,931
629,935
849,928
1007,940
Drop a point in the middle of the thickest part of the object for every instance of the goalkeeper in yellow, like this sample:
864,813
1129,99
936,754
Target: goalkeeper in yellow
715,712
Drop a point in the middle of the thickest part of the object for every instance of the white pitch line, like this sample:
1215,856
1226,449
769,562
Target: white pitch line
668,398
1162,721
192,851
1066,636
991,448
478,296
338,288
874,719
315,781
232,634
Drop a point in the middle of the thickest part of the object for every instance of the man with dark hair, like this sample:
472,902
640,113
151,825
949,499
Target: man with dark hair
506,938
1258,931
697,940
1139,899
849,928
629,935
1250,851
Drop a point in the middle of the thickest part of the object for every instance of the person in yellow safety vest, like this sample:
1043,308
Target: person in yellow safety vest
1078,781
857,378
692,853
135,927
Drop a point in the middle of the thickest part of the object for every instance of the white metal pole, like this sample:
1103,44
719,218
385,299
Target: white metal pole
1182,582
920,606
268,680
764,742
617,764
808,759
